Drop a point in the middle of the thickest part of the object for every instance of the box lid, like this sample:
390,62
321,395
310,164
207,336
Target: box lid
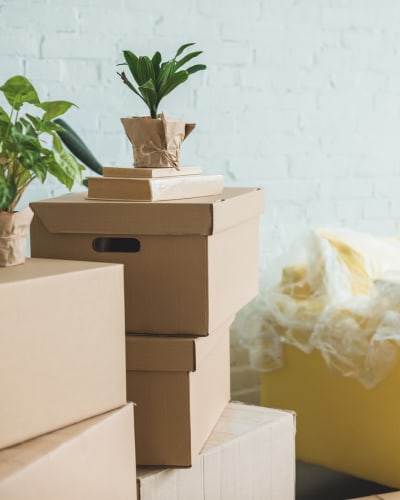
73,213
35,268
175,354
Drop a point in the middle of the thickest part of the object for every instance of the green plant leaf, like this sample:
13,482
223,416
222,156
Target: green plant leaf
187,58
77,147
132,62
145,70
8,191
54,108
150,95
65,167
166,71
182,48
4,116
124,78
173,81
43,126
18,90
156,61
195,68
156,79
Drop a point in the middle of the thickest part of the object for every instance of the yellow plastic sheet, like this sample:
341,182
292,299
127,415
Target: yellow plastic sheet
342,297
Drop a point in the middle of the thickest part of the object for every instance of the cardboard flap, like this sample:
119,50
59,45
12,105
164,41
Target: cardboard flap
43,448
73,213
157,353
176,354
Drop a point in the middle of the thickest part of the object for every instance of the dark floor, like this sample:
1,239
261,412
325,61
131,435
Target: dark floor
317,483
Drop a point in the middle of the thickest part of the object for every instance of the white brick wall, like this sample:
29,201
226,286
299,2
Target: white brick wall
300,96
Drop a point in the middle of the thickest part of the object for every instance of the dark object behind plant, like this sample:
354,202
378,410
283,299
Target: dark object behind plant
156,79
77,147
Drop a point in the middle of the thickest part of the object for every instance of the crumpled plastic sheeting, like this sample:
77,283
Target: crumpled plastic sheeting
341,296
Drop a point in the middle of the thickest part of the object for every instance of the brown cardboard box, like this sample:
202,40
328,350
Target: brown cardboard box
189,264
62,345
180,387
93,459
250,455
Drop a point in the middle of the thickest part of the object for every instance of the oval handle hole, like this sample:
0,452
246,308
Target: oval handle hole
122,245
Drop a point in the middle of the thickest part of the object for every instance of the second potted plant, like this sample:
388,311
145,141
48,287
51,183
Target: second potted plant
156,139
24,156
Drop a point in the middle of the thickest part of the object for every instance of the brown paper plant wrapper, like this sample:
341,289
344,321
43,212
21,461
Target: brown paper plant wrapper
13,233
156,142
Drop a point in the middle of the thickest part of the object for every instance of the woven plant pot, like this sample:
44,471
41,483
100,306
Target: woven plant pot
156,142
13,233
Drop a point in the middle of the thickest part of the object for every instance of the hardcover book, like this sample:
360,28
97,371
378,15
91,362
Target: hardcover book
157,189
139,172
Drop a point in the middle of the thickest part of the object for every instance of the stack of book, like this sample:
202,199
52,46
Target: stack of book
153,184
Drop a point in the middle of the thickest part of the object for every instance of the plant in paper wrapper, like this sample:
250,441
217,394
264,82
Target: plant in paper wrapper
156,139
24,156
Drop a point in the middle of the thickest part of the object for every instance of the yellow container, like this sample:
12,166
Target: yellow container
340,424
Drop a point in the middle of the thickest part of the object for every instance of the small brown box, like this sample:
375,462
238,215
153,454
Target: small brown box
62,345
189,264
180,387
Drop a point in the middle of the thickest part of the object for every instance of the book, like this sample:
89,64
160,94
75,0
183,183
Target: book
167,188
139,172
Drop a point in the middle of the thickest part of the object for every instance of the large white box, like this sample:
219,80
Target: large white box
250,455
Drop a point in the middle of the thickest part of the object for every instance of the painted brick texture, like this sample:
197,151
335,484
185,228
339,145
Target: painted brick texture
301,97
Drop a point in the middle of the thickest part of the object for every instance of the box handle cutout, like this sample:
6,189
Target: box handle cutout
121,245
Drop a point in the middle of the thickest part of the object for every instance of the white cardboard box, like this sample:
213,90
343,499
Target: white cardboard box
250,455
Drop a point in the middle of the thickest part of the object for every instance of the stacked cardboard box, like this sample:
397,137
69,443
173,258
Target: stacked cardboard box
62,361
189,266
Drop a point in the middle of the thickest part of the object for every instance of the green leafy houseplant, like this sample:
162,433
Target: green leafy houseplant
23,154
29,148
156,79
156,140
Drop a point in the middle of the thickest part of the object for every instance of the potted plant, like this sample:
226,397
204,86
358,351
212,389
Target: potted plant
29,149
156,139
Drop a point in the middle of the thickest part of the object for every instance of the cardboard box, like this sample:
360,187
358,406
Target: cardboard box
93,459
189,264
341,424
62,345
180,387
249,455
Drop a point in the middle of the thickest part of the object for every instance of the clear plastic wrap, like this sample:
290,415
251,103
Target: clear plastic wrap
340,296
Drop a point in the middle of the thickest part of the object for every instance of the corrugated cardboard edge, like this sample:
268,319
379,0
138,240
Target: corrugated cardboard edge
173,354
200,216
236,210
39,454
